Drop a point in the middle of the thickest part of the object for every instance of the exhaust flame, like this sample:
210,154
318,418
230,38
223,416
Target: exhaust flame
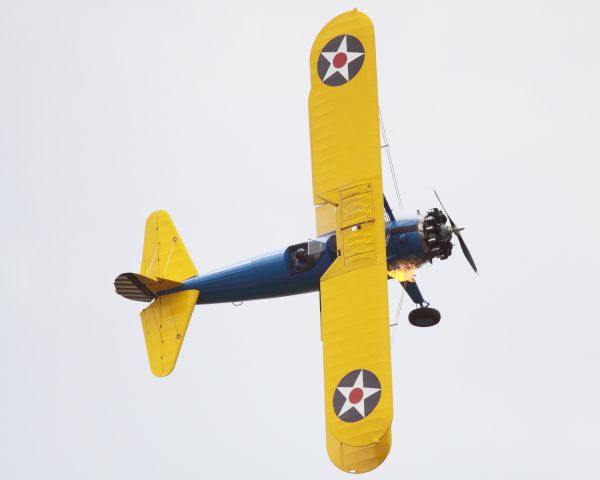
403,273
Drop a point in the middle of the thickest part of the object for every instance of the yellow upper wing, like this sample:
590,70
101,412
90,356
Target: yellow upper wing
347,190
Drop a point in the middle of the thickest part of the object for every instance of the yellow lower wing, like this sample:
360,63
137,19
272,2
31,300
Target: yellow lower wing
356,340
347,193
165,322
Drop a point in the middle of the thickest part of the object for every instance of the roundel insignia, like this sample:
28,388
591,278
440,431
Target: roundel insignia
356,396
340,60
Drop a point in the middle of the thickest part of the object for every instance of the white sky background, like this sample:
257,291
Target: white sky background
109,110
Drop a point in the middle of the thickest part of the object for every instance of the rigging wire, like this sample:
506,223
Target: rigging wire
396,321
386,146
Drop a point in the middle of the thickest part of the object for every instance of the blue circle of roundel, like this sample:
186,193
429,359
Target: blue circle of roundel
340,60
356,395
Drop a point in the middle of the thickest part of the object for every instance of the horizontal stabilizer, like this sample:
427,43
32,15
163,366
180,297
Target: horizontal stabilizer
165,265
164,254
165,322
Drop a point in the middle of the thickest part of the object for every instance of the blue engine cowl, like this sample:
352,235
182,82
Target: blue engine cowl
413,241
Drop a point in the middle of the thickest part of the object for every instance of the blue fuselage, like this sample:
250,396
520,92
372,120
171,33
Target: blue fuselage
298,268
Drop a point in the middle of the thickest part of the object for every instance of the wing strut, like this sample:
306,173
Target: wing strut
388,210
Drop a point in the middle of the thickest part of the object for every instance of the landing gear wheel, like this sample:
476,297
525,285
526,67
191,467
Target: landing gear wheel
424,317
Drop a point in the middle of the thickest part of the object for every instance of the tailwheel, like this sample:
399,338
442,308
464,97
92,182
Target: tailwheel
424,317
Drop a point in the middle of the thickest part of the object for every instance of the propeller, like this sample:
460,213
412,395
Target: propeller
456,230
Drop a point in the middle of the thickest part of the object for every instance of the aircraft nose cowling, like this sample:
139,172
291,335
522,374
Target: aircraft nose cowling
405,245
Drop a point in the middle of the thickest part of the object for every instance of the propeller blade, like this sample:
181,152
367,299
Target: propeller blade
466,252
456,232
452,224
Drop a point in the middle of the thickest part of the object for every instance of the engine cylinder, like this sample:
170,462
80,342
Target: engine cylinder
436,235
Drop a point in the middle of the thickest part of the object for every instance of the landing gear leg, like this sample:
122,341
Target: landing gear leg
424,317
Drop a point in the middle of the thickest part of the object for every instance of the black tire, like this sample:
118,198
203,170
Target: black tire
424,317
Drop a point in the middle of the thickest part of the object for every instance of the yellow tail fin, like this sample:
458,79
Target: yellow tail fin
165,255
165,265
165,321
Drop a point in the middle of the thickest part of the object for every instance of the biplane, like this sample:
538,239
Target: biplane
358,246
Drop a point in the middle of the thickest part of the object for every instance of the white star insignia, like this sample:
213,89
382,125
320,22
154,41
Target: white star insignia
355,396
341,58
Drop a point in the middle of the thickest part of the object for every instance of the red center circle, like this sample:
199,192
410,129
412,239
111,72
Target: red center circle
356,395
340,60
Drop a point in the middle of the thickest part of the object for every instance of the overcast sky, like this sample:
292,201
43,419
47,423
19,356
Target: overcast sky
111,109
